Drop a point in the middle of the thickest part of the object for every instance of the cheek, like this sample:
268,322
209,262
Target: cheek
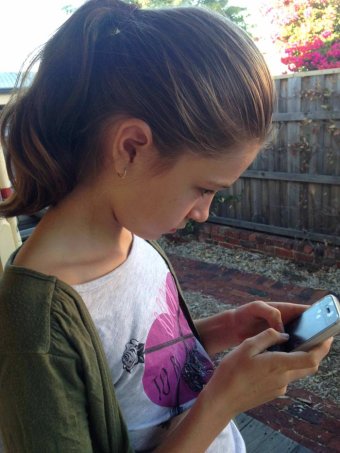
181,204
162,205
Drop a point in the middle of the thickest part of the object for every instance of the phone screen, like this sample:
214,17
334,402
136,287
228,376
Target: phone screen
314,320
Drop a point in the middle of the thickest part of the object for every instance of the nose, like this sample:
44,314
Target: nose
200,212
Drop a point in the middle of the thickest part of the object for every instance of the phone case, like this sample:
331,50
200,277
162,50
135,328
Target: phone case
327,333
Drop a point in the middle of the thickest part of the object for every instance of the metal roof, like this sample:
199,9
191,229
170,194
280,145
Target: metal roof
7,81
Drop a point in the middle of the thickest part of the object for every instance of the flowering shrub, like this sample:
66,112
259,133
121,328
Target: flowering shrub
313,55
308,31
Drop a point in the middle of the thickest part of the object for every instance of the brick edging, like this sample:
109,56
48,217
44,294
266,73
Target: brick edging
299,251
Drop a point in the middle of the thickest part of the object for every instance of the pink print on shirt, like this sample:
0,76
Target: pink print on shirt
175,371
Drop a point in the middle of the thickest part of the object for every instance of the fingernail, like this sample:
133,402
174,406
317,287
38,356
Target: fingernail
285,335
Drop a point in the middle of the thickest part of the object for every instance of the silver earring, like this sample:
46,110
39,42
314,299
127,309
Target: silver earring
122,175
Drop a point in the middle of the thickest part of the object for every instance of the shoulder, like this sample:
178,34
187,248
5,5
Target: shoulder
29,303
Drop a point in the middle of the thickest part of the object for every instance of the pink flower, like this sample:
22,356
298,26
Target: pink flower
326,34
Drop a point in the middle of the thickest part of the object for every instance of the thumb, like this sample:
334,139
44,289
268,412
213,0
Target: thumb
261,342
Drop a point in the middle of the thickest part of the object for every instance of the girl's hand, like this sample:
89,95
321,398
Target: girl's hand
255,317
231,327
250,376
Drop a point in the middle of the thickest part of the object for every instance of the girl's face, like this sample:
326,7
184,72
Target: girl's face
155,205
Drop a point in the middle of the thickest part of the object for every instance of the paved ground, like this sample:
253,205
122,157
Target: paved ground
302,416
260,438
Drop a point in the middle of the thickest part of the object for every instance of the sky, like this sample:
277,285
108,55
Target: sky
263,29
27,24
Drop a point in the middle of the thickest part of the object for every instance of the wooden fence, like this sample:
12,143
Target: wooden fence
293,187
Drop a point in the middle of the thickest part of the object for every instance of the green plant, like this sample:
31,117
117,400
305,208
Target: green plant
227,199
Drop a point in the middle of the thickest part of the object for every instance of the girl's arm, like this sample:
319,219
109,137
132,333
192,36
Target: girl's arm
51,399
216,332
43,404
231,327
247,377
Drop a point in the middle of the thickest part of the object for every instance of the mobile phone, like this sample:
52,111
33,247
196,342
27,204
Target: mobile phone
319,322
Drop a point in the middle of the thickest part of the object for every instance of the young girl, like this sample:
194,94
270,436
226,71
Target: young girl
134,120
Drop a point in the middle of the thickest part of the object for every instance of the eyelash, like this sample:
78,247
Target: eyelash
206,192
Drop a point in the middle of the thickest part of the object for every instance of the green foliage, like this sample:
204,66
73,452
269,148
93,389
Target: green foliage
69,9
234,13
225,199
302,20
190,228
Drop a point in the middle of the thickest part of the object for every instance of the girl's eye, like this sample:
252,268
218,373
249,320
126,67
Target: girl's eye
206,192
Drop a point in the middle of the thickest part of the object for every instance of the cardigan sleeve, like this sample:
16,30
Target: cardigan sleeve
42,405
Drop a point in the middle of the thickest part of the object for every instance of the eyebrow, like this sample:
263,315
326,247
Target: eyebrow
217,184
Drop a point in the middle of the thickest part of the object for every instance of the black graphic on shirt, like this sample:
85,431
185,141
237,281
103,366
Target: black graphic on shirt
197,370
133,354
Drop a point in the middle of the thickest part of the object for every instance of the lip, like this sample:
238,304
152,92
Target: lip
181,227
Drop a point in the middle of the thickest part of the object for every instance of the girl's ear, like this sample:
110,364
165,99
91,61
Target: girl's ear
131,139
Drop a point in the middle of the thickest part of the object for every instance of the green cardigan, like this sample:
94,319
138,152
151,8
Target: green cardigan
56,392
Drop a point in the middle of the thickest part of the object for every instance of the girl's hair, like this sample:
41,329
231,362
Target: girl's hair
193,76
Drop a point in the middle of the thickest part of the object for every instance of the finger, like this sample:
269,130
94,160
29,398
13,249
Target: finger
305,360
303,373
321,350
288,310
268,313
261,342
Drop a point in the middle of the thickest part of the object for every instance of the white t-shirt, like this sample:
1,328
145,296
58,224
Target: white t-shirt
158,366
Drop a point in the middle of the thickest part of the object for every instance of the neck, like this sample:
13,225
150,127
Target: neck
78,240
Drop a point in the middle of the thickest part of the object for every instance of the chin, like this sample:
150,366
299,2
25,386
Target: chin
155,237
149,236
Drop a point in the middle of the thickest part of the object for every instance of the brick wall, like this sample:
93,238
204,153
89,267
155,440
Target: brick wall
300,251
